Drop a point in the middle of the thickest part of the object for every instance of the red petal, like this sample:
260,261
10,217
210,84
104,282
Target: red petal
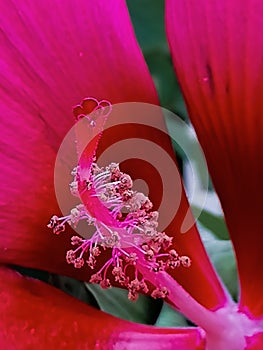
47,68
217,50
35,315
52,55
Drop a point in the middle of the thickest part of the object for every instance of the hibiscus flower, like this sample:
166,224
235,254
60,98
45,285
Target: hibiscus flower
54,55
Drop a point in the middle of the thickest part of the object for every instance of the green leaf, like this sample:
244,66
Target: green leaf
223,258
170,318
73,287
34,273
222,255
148,21
214,223
162,71
115,302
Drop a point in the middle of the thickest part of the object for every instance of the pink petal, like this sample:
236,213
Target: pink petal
35,315
217,50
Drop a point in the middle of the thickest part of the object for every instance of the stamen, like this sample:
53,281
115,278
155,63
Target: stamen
135,241
160,293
